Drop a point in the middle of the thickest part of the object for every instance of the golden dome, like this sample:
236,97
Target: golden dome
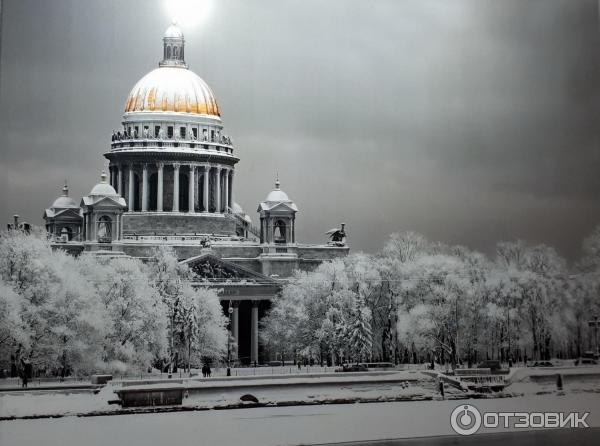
172,89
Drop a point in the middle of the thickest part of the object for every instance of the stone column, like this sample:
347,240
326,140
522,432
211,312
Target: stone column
218,190
120,180
91,225
254,333
206,185
235,323
131,197
176,187
226,191
145,188
231,172
192,188
159,187
119,226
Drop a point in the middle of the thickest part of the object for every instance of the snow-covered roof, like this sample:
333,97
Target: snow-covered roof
64,201
277,198
173,32
103,188
103,193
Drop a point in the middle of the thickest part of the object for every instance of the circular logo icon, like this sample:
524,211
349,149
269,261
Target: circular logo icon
465,419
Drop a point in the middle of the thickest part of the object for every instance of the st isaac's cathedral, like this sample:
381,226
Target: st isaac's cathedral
170,181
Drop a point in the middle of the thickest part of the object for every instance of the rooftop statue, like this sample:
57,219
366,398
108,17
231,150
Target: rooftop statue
337,236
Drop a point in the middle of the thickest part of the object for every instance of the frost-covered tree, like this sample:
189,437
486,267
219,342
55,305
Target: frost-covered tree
359,333
211,326
73,321
412,300
280,328
397,256
195,321
11,325
200,325
167,275
134,313
590,261
53,303
366,283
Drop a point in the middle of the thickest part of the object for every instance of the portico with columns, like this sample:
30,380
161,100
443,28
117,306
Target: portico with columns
247,292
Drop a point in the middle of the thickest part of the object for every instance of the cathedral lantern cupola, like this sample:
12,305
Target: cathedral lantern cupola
173,47
277,217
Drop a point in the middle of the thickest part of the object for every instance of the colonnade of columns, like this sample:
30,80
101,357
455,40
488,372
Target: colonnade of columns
217,185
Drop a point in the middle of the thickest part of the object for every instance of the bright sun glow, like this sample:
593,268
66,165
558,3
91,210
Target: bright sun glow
189,13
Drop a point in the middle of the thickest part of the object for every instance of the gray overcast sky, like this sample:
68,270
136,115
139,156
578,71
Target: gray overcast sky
470,121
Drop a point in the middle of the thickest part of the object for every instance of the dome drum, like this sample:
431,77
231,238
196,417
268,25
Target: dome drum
171,160
172,133
189,149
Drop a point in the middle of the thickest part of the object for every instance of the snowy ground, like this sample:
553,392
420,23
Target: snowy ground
277,426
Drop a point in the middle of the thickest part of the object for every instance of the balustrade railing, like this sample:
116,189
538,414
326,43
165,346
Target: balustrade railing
240,219
182,237
141,143
77,238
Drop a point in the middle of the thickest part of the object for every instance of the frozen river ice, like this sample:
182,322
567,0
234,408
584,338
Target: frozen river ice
277,425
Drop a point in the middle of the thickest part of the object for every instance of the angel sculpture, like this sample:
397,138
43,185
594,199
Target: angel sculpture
337,236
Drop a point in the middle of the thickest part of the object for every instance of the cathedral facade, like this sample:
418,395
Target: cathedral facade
170,181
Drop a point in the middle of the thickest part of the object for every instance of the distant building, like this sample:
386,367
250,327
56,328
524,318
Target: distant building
170,181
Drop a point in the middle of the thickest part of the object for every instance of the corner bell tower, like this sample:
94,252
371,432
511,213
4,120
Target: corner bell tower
277,218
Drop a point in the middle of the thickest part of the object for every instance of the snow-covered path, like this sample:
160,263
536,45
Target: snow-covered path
277,426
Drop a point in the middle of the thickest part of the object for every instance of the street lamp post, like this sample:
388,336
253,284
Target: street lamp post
595,323
229,311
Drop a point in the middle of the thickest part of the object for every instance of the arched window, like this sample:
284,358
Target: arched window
104,229
279,231
168,52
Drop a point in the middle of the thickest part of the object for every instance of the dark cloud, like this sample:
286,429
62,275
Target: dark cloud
470,121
